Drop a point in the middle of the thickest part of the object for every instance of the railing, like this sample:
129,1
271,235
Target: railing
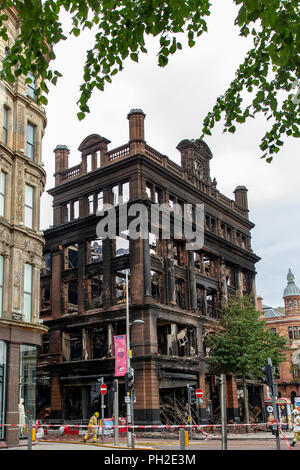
151,152
124,150
71,172
119,152
174,167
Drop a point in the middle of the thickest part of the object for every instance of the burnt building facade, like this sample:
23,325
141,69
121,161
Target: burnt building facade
176,292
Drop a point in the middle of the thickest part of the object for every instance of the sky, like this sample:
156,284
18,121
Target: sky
175,100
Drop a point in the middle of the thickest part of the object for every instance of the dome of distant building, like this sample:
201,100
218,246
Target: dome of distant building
291,288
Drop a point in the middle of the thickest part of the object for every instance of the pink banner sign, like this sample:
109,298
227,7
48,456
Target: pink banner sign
120,355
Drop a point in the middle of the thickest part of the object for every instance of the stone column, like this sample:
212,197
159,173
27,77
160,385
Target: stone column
6,292
81,280
137,283
239,280
203,409
94,161
56,284
232,400
224,282
192,276
56,399
171,274
253,290
36,298
108,284
147,407
147,270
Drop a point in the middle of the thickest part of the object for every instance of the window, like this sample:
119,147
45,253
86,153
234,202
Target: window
76,209
152,243
148,189
125,192
27,292
30,136
122,245
294,332
91,203
27,384
1,282
47,260
96,251
115,193
5,125
100,201
29,206
31,86
158,196
2,193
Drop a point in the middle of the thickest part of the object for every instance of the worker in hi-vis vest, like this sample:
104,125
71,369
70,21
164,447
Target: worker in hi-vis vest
296,426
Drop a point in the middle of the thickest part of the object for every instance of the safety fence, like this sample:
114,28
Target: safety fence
202,431
234,427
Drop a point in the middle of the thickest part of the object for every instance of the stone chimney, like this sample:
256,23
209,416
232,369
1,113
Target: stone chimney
61,162
241,198
259,300
137,142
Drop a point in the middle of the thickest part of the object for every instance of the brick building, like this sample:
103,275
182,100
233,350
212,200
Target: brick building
286,322
22,181
176,292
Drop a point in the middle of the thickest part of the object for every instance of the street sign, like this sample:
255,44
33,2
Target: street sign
199,393
103,389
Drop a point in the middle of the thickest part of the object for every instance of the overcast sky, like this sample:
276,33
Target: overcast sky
175,100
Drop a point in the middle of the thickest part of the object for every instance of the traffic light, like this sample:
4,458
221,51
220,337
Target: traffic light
267,377
129,379
191,395
100,381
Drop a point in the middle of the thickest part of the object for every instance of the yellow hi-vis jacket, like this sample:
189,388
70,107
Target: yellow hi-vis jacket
297,424
93,421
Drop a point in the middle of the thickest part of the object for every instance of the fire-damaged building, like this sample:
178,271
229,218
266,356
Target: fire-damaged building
175,292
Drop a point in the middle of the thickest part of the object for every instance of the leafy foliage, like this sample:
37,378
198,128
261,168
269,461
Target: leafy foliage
243,344
271,67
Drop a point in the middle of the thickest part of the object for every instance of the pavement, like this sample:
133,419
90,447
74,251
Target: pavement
63,443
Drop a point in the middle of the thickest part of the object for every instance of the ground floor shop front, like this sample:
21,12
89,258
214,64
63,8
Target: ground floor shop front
18,359
71,392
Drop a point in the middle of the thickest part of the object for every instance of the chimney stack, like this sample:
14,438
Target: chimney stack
241,198
259,300
137,142
61,162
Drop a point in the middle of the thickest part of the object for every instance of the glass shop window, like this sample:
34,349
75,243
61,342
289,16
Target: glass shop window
3,378
27,385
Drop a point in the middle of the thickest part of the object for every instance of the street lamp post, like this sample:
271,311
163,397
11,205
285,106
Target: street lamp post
129,407
128,401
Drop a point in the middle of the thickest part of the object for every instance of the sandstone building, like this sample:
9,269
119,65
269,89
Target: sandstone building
286,322
22,181
176,292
